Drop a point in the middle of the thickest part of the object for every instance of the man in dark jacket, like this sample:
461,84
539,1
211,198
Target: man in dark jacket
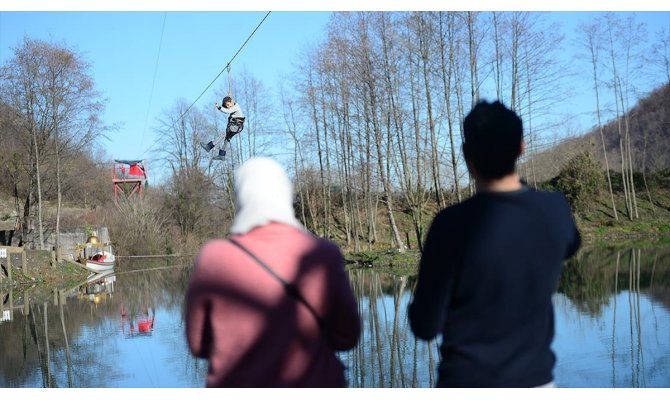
491,264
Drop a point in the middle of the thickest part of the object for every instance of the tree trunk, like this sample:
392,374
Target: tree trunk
435,160
644,175
616,82
317,132
472,47
629,151
498,73
39,190
388,195
593,49
59,200
447,73
531,134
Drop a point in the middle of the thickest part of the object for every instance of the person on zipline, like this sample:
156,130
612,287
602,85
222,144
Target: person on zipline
235,125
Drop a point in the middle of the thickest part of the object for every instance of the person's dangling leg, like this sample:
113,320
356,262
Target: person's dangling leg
223,148
207,146
212,143
221,155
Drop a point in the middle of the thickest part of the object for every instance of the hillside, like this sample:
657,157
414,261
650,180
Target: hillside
649,125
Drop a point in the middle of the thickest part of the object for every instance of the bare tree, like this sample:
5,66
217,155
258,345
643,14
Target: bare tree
180,134
369,77
317,124
474,42
50,89
593,44
189,194
625,35
448,63
424,35
498,57
306,206
397,62
517,29
661,51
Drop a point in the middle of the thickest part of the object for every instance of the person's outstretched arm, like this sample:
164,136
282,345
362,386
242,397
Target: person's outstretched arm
229,110
427,310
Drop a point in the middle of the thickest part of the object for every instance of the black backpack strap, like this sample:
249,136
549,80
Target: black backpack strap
290,288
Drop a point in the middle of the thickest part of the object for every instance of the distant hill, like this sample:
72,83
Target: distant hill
649,133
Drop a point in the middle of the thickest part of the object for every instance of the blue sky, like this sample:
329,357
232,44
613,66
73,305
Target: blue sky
140,82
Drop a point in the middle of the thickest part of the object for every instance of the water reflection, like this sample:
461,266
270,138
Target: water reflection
125,328
613,323
78,336
388,354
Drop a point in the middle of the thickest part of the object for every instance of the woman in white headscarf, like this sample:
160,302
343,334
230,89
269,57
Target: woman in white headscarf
278,327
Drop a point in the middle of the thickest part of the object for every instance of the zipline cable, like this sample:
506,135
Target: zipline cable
153,83
227,67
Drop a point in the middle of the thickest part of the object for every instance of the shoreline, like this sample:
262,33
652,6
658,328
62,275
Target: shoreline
382,260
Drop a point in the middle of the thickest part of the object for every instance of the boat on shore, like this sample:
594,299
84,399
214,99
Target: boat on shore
101,261
97,257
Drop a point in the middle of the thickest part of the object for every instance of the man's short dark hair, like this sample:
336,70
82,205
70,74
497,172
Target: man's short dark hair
492,139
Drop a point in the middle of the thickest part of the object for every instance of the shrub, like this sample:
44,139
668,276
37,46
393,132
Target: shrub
138,226
581,181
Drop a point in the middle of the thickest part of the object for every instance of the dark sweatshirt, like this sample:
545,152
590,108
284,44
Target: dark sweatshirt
488,271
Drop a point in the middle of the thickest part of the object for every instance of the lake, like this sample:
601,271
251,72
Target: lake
126,329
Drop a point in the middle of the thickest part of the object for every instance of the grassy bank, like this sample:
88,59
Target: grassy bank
648,219
60,275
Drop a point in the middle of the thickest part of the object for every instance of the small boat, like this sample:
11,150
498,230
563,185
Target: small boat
97,257
100,261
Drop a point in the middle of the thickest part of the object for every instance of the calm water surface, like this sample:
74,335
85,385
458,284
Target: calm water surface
126,329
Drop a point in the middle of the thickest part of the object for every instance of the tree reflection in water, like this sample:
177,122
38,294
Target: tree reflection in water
388,354
612,328
612,323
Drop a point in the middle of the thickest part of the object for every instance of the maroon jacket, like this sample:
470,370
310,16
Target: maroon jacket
252,332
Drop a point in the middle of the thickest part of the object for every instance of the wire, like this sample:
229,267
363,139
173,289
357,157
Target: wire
227,67
153,83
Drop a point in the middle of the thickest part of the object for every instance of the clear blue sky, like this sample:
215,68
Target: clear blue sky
123,48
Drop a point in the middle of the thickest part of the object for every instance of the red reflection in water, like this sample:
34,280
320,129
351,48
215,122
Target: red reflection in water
139,323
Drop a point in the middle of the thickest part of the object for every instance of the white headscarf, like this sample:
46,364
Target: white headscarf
263,194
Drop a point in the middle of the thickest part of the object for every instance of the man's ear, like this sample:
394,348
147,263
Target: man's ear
522,148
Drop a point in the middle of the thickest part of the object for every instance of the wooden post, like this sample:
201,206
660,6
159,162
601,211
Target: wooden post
4,254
